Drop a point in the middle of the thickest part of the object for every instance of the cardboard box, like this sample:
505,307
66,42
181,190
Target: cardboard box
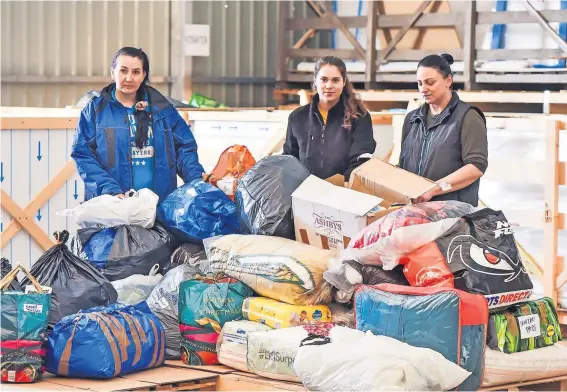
328,215
390,183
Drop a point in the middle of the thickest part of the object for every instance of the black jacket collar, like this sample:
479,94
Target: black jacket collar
338,109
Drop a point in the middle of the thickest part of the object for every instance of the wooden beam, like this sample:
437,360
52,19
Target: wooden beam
325,22
21,219
26,123
545,25
384,54
317,52
304,38
25,218
370,72
470,45
386,31
448,19
320,10
422,30
551,225
519,54
513,17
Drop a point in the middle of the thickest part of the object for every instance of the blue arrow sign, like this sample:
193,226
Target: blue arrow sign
1,171
38,215
39,151
75,195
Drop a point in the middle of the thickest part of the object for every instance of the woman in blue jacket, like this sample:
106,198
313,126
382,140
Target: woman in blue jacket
131,137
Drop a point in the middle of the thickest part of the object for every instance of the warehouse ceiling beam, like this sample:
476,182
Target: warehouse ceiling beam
545,25
401,34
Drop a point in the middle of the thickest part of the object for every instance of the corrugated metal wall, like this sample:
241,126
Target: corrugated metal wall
65,40
241,69
71,43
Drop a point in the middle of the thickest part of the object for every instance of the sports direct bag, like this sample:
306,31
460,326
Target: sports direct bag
23,323
277,268
106,342
477,254
204,306
451,322
524,327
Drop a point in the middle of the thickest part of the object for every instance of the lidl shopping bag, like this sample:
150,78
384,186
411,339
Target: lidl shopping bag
105,342
24,319
523,327
449,321
205,304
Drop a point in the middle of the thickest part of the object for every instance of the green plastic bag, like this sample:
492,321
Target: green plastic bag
23,321
200,101
205,304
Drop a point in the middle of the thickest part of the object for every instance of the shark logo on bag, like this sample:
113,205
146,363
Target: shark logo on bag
485,259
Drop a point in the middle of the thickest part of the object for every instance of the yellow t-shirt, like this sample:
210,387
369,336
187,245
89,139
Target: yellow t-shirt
324,114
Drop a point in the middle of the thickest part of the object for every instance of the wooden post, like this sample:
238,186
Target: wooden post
470,45
551,225
370,73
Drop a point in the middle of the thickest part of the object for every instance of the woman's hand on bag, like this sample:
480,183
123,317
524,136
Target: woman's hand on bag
122,196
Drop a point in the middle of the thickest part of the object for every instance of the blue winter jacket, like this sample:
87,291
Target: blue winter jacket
103,154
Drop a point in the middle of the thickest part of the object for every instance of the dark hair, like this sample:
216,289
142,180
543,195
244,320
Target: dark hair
143,117
441,63
351,101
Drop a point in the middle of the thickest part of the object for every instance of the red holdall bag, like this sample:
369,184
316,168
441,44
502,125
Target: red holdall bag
447,320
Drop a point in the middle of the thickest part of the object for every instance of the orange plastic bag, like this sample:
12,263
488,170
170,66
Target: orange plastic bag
233,163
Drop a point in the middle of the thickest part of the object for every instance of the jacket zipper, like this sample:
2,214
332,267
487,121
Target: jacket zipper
423,144
322,136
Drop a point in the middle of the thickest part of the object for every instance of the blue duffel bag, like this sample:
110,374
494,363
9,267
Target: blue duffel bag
105,342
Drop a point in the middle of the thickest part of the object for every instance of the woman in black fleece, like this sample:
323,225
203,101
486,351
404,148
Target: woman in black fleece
332,134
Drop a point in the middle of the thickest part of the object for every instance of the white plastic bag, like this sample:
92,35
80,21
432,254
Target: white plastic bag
111,211
136,288
358,361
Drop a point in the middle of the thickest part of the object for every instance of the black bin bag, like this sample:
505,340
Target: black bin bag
263,195
120,252
75,284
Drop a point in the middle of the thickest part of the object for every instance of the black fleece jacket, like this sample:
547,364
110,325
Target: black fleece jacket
328,149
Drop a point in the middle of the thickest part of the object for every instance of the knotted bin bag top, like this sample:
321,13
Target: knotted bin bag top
75,283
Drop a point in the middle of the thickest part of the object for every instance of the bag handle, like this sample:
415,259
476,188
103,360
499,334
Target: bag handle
310,340
7,280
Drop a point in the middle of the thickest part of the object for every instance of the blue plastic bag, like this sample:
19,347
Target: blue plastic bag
105,342
198,210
